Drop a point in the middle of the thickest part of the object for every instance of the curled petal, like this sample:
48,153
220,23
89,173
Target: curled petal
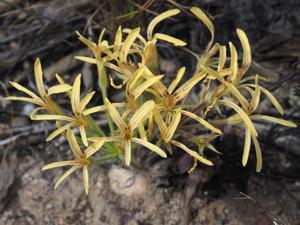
170,39
158,19
201,16
246,50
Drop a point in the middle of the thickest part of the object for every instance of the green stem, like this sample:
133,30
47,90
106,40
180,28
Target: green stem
105,158
103,86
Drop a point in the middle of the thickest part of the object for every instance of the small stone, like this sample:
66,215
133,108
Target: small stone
127,182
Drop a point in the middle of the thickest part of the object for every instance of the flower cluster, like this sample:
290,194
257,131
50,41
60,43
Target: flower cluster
154,115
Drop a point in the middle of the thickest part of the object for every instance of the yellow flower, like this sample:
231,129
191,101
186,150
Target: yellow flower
137,85
127,129
82,160
78,107
44,100
167,132
250,132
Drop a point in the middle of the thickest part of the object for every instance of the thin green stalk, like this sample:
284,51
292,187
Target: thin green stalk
98,161
103,86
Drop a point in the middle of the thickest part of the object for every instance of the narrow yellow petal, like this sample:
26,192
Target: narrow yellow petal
176,81
202,121
160,88
247,146
59,164
142,132
271,97
149,56
127,149
73,144
127,44
174,124
34,112
242,114
38,73
246,50
83,103
141,114
59,131
148,83
59,79
60,88
85,173
140,37
101,36
87,42
83,135
86,59
115,116
256,96
202,16
25,90
136,76
24,99
181,92
160,123
233,63
102,108
94,109
245,104
170,39
158,19
231,87
118,41
94,147
66,174
192,153
75,95
253,77
258,154
150,146
274,120
222,57
52,117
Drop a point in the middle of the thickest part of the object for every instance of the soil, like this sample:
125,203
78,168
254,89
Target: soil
32,200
